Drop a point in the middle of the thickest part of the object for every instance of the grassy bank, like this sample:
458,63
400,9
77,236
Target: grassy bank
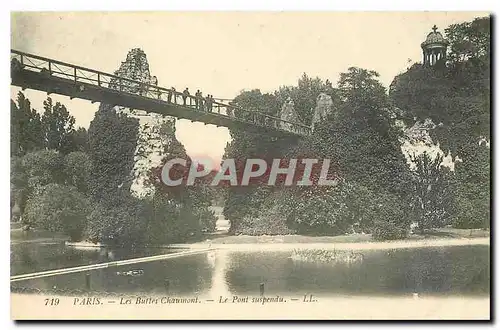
438,234
18,235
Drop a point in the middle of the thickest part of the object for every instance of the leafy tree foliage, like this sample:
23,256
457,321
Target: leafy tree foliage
179,212
112,144
432,192
79,140
18,188
120,224
58,208
58,126
78,170
26,132
42,168
360,138
469,41
472,191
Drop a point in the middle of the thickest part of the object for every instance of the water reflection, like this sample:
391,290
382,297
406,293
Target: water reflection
220,262
35,257
430,271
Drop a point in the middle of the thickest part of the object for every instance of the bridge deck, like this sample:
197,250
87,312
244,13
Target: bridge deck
52,76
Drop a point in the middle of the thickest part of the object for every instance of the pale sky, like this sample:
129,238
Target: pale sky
222,53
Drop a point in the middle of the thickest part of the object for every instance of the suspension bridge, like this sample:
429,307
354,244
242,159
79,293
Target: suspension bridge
30,71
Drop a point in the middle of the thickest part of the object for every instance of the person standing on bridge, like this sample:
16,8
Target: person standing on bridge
185,95
208,103
170,93
154,82
212,100
198,100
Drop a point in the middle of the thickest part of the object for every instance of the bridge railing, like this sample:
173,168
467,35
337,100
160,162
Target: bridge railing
78,74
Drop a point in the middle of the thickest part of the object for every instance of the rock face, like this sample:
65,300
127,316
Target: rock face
417,141
324,107
156,132
288,113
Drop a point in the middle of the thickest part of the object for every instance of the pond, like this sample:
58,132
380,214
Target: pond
33,257
457,270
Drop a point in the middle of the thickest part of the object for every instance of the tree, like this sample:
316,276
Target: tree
391,218
123,224
58,126
18,188
432,192
26,127
78,140
472,190
42,168
180,212
360,86
77,170
469,41
360,139
244,145
112,145
58,208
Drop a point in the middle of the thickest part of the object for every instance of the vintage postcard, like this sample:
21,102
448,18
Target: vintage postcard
250,165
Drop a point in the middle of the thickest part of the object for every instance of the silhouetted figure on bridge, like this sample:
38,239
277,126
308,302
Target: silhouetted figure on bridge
185,95
198,100
208,102
212,100
170,93
154,82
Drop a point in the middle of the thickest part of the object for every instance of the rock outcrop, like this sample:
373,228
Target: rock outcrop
324,107
288,113
156,132
417,140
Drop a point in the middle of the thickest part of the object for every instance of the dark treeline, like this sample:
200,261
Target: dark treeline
379,192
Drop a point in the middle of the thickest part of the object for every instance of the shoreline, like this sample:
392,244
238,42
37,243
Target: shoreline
387,245
282,246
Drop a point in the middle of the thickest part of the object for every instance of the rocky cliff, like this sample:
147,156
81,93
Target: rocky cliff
288,113
417,140
324,107
156,132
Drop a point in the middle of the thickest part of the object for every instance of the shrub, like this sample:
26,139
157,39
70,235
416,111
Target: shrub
207,219
121,225
58,208
330,211
383,230
391,220
269,222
